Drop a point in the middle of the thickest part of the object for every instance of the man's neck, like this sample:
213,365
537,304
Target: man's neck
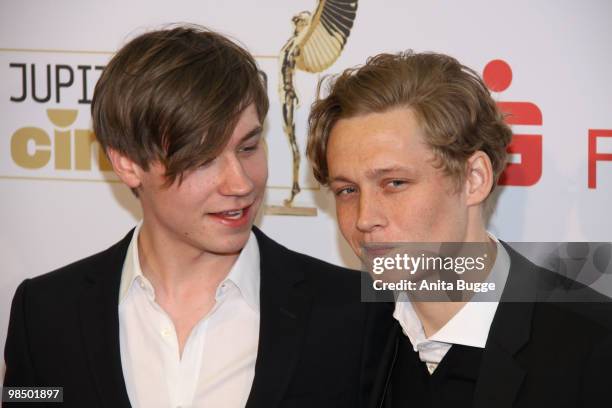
435,315
177,269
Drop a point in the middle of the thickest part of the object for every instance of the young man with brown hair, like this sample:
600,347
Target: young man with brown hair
195,307
412,145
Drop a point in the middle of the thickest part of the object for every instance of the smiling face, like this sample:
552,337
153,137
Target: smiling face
212,210
386,184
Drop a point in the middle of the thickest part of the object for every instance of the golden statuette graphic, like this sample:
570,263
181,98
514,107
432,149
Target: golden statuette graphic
316,43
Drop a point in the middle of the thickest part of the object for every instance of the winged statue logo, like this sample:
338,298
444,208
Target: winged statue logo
317,41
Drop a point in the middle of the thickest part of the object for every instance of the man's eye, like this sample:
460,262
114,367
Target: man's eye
249,148
396,183
345,191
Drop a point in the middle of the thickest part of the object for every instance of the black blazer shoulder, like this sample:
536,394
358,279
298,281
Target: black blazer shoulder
556,294
554,346
63,331
328,281
66,281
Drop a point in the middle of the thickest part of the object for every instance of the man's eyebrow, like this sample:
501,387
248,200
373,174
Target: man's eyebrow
254,132
375,173
341,179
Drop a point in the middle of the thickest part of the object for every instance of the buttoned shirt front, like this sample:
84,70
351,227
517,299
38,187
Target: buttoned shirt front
217,365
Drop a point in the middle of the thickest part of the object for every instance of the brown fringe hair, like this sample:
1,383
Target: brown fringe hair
174,96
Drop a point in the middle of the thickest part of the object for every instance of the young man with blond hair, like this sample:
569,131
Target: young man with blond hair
412,145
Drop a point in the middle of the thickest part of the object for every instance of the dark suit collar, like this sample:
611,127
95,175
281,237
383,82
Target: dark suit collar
279,260
500,374
99,318
285,307
511,326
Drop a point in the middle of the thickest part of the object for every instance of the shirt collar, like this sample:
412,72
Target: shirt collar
244,274
470,326
131,267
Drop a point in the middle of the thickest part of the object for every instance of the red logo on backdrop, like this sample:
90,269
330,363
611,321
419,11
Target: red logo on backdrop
594,155
497,76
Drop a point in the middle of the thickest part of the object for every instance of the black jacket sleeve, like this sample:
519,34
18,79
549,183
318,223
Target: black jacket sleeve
19,369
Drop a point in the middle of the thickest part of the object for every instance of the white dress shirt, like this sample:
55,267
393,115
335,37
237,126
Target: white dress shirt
218,362
469,326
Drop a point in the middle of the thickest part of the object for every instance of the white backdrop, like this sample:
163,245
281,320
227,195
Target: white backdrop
560,54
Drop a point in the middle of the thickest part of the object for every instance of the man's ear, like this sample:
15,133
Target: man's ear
479,178
128,171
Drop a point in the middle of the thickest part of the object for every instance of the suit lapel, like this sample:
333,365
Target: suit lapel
500,375
385,370
99,318
285,307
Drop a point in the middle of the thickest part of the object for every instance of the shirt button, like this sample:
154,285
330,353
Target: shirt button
165,332
141,283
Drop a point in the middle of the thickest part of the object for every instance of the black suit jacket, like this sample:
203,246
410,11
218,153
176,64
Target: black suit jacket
319,345
544,348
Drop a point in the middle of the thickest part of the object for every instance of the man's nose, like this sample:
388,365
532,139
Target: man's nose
370,214
235,180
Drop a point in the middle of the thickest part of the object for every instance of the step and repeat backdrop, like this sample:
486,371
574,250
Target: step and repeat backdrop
548,62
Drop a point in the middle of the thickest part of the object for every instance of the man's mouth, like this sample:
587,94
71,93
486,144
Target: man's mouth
233,215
